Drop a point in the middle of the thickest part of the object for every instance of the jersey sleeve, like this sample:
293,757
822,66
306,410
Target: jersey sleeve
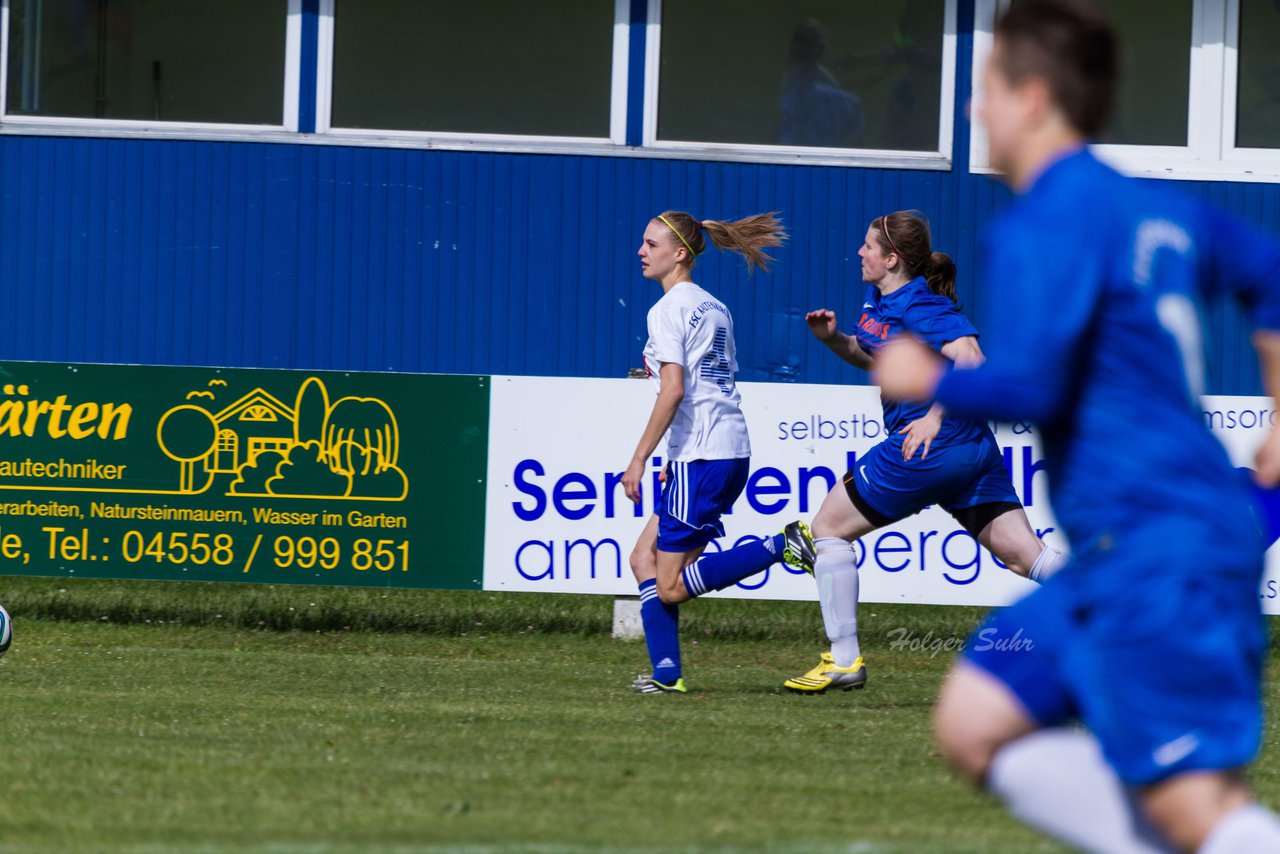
936,321
1243,261
666,330
1042,314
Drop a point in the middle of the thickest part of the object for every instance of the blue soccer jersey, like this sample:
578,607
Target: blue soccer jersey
1099,345
933,319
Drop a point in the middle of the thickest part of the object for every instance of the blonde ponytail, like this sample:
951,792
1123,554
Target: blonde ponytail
749,236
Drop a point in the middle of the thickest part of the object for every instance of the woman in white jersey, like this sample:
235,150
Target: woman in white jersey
690,355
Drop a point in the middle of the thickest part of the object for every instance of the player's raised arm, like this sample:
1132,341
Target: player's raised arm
1029,368
964,352
823,325
1267,461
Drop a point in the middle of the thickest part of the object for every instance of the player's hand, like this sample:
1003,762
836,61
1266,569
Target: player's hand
631,480
920,435
1266,464
906,369
822,323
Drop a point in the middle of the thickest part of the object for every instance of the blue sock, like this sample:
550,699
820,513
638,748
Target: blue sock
718,571
661,632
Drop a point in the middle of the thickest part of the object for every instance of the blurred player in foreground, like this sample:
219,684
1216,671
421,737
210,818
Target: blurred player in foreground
691,356
928,458
1152,636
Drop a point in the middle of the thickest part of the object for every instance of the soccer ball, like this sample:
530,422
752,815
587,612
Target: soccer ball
6,630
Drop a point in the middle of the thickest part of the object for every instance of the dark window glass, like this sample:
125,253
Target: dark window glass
487,66
827,73
1155,72
1258,95
165,60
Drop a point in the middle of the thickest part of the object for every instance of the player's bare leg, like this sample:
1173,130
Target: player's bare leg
671,565
986,734
1187,808
975,716
1011,538
644,555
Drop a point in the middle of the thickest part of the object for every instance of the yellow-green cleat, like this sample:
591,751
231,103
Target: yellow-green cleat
799,551
646,684
827,675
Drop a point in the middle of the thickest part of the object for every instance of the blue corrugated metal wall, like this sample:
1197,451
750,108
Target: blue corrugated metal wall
326,257
251,254
321,257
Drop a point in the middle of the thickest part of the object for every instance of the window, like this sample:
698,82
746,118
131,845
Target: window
1200,88
188,61
806,81
1155,73
483,67
1258,75
843,77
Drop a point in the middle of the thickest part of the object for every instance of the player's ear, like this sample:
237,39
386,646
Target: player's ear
1037,98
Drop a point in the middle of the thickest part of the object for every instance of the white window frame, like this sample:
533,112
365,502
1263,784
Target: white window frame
499,142
1264,161
1210,153
797,154
86,126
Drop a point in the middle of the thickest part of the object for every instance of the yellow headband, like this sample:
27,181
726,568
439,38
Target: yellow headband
678,234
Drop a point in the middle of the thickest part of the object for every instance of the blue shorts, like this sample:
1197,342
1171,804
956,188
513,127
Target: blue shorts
696,494
1165,669
956,477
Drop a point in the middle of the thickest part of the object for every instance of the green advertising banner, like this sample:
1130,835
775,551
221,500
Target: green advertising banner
215,474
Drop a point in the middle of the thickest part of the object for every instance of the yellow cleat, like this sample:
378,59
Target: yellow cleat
800,550
827,675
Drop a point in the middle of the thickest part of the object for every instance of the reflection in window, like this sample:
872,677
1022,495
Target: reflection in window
1258,104
485,66
160,60
808,72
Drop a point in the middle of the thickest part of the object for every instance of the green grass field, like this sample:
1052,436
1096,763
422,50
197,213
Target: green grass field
198,718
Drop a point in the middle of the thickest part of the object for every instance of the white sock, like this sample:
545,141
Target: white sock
1057,781
836,571
1252,828
1047,563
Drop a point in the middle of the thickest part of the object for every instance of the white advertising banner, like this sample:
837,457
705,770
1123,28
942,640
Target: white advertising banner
557,519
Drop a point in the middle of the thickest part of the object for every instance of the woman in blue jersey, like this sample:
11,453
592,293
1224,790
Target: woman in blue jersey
928,457
691,357
1153,639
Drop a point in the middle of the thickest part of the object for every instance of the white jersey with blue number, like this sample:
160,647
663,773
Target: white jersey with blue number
690,327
